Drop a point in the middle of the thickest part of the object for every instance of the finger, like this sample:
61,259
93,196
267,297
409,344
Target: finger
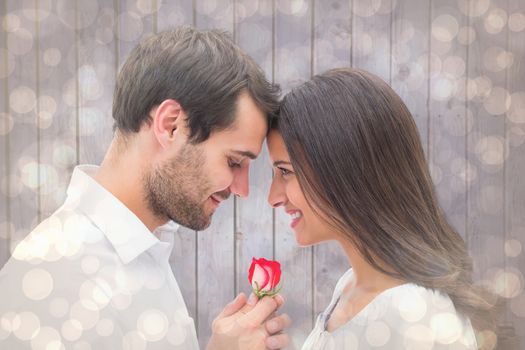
260,312
278,324
234,306
250,304
278,341
280,300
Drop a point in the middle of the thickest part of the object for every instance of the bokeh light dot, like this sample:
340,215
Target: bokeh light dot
58,307
26,325
517,305
52,57
377,333
47,338
419,337
445,28
366,8
20,41
6,123
466,35
474,8
90,264
446,327
37,284
516,113
71,330
11,22
22,99
105,327
495,21
498,101
517,22
133,24
513,248
153,324
133,341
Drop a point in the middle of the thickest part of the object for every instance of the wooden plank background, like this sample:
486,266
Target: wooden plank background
458,64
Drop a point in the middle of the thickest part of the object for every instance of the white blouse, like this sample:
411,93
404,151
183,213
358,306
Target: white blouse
408,316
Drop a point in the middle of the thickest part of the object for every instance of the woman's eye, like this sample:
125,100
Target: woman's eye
285,172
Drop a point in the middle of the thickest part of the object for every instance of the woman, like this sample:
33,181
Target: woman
349,166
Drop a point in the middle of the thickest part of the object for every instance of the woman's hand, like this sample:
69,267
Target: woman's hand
244,325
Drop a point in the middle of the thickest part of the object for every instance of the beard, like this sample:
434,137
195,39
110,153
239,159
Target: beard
179,188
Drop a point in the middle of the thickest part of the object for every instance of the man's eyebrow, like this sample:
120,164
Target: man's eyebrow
281,162
248,154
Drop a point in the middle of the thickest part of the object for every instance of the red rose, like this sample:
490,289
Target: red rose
264,275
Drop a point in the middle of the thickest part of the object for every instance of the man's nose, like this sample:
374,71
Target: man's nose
241,183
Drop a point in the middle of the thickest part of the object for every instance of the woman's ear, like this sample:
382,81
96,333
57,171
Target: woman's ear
167,118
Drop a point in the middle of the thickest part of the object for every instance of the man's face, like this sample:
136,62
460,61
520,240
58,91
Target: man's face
189,186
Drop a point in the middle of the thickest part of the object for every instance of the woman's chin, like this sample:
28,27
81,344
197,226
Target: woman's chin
304,241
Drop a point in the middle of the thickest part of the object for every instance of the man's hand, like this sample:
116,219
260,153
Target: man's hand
244,326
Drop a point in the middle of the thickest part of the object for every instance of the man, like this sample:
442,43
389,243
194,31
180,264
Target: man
191,110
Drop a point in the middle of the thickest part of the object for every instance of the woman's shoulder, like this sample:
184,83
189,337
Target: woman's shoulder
412,315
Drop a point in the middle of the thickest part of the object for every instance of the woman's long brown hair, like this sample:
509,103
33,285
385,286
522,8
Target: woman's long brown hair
357,154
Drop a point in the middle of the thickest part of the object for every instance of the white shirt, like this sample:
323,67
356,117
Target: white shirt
408,316
92,276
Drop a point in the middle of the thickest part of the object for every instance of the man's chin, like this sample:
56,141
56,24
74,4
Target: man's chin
195,226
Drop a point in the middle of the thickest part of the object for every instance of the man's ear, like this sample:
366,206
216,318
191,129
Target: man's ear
167,118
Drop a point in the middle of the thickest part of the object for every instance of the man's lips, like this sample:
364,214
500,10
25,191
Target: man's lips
218,198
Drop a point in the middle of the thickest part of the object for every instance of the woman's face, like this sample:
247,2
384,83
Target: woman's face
286,192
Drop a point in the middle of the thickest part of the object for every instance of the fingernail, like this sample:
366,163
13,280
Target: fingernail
272,326
272,343
252,300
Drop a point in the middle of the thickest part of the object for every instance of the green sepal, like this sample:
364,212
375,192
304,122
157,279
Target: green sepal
260,294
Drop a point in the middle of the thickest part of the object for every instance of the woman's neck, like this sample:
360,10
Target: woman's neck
365,276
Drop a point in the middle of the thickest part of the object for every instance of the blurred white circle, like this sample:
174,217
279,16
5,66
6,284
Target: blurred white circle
52,57
77,15
454,65
47,338
377,333
20,41
133,26
6,123
71,330
474,8
22,99
466,35
105,327
58,307
26,325
133,341
153,325
11,22
518,305
37,284
513,248
495,21
516,113
498,101
419,337
445,28
517,22
446,327
366,8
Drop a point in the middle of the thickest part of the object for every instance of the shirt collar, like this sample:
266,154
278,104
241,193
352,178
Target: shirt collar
123,229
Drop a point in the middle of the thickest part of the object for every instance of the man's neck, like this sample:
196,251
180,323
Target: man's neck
121,173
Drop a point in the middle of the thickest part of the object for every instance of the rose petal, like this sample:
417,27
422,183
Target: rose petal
260,275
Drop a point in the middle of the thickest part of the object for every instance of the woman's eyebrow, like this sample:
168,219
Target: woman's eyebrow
281,162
